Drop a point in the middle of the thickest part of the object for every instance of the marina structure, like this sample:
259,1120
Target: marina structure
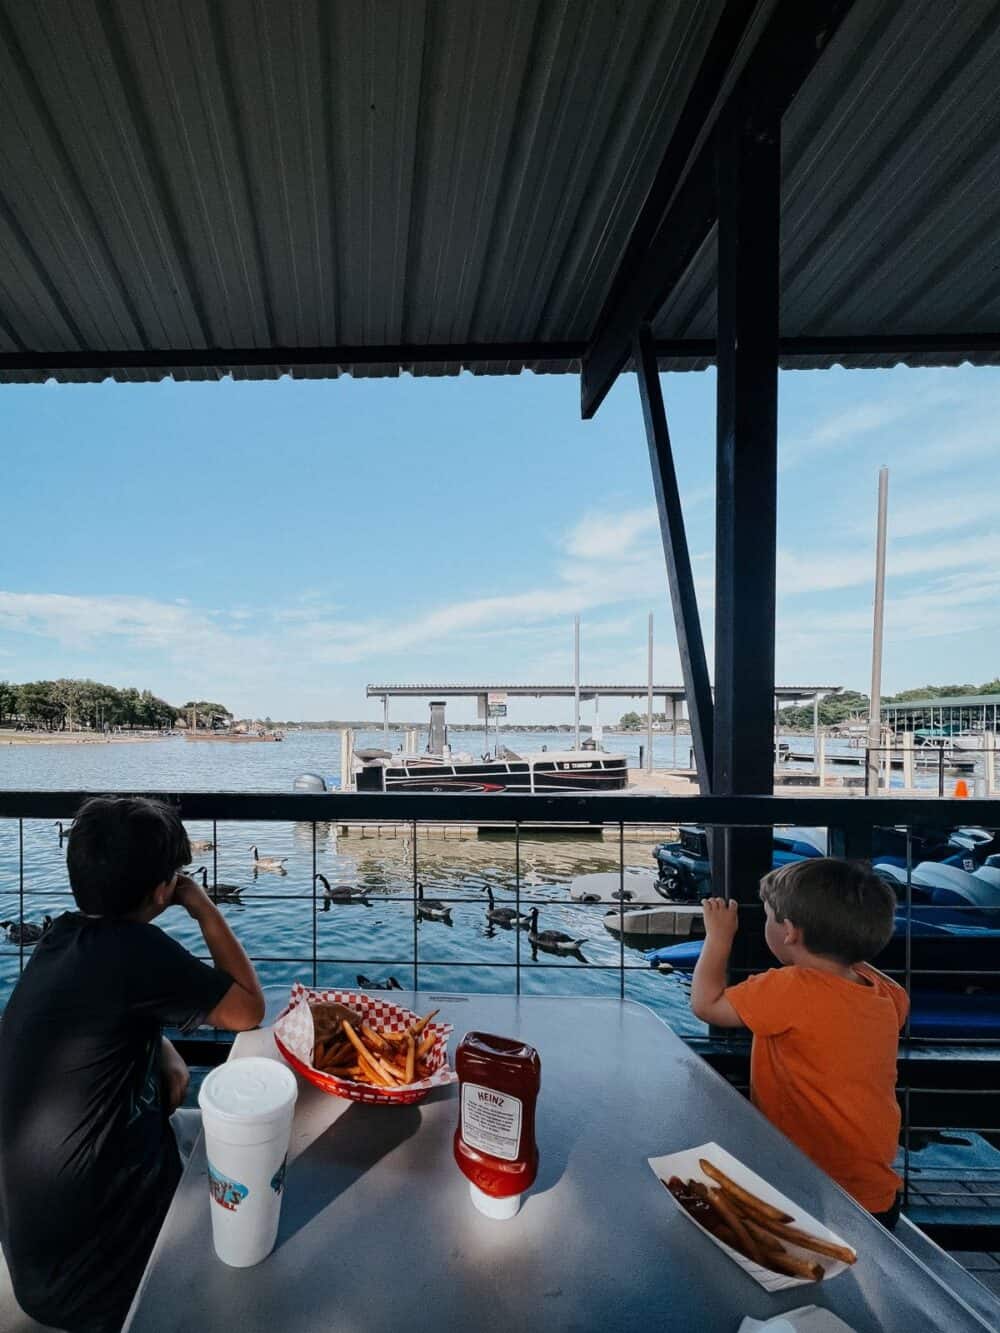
496,695
975,713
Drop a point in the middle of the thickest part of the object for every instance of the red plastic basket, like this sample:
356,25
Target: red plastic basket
379,1013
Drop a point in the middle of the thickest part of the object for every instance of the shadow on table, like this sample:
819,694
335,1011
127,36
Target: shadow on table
353,1144
552,1161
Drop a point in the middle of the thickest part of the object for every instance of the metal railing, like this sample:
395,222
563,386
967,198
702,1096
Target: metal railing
946,1084
933,766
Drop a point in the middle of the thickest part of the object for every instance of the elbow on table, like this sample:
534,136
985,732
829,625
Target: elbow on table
240,1010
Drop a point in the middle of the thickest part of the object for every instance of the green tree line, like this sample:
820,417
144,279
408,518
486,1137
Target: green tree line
61,705
209,715
635,721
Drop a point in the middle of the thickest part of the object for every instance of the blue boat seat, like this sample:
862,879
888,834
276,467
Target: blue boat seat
991,875
949,884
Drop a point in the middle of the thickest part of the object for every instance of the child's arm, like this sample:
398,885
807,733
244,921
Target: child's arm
708,985
242,1006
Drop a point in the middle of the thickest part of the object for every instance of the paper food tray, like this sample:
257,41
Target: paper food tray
685,1165
295,1038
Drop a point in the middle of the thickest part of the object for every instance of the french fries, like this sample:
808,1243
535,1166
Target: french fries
727,1214
758,1230
807,1242
748,1200
348,1047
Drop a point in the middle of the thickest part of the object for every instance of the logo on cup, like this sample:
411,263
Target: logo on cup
227,1193
278,1179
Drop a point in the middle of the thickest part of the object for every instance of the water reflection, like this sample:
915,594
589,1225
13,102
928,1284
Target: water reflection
279,916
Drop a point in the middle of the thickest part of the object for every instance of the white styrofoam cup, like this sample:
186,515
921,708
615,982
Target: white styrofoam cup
247,1108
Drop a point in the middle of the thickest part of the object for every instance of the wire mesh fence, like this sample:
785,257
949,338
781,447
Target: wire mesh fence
490,897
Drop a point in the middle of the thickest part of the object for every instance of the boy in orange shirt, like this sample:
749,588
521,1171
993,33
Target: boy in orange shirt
825,1024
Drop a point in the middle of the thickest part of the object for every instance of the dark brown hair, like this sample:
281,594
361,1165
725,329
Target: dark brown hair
844,910
120,849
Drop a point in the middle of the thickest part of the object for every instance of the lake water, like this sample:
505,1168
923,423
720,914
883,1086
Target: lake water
279,918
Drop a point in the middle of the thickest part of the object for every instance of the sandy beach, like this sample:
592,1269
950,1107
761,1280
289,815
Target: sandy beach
75,738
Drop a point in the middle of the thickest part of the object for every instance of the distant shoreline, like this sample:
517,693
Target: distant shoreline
73,738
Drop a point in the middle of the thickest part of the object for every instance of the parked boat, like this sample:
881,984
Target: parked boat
549,771
685,874
226,735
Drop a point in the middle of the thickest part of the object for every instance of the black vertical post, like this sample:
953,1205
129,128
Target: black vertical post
683,599
749,186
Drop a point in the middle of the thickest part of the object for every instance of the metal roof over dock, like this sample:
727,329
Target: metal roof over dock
784,693
944,701
206,187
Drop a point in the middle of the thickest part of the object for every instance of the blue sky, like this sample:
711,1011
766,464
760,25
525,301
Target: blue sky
279,545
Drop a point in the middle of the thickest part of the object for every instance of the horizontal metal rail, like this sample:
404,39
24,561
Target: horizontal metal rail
855,813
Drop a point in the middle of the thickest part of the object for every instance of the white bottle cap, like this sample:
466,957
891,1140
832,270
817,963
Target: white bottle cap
499,1209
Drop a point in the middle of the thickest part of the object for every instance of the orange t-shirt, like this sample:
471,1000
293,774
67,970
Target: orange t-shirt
823,1070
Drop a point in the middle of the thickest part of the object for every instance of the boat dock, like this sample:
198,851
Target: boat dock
925,758
645,833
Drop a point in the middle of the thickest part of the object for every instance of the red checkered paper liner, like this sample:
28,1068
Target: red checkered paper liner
296,1039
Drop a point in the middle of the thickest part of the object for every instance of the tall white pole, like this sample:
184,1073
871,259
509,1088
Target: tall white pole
576,681
875,704
649,701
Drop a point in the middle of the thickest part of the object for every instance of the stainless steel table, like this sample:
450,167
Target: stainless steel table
378,1232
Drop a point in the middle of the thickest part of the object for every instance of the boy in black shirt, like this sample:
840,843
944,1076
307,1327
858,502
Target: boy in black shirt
88,1161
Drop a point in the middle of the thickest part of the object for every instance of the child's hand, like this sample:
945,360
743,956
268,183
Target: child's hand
721,918
189,894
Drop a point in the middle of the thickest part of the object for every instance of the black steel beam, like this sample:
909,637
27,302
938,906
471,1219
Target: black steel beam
790,44
749,191
889,344
683,597
469,354
746,452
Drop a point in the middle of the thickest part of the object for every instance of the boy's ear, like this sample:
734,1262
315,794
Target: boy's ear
792,934
163,893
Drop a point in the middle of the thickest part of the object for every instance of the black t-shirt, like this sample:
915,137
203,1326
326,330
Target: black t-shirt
88,1161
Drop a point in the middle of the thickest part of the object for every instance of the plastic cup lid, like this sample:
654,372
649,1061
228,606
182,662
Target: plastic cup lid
250,1089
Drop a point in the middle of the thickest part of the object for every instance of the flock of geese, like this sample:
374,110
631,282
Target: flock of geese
339,895
435,909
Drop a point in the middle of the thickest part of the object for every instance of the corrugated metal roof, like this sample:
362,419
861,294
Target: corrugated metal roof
786,692
278,174
950,701
890,162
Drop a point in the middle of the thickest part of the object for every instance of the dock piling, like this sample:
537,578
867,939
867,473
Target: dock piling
907,739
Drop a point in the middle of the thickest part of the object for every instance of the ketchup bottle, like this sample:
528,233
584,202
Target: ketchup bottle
495,1145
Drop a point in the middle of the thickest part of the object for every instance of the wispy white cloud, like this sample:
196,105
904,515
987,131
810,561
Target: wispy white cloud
856,423
603,561
83,621
847,424
607,535
932,509
802,572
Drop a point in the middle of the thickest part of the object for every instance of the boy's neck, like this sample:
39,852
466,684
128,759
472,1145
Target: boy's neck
820,963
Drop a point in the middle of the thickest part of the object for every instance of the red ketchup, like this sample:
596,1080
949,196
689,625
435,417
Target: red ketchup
495,1145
